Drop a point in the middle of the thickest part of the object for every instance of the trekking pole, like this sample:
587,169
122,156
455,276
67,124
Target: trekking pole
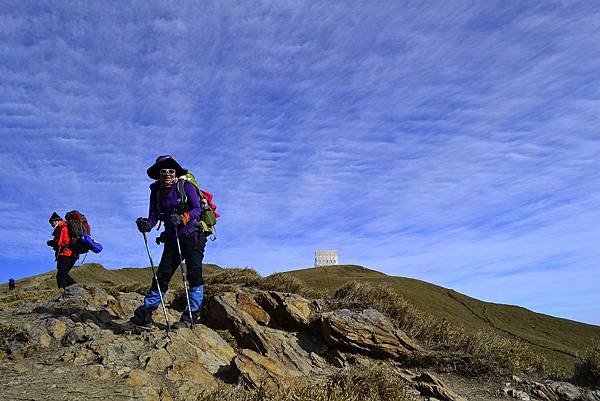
162,301
183,274
84,256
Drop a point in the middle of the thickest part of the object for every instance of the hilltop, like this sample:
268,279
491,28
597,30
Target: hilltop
561,340
341,333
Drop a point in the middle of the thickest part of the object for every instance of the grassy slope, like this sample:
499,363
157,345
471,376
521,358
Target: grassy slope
553,336
94,273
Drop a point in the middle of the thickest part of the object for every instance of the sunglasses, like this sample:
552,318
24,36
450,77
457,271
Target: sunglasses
167,171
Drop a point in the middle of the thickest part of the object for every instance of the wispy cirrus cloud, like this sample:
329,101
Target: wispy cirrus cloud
450,142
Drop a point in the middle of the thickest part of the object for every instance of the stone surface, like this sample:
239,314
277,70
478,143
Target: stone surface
432,387
56,328
223,313
543,392
368,331
248,304
75,335
189,391
202,345
296,351
193,372
139,378
290,311
591,395
96,372
157,360
256,370
566,391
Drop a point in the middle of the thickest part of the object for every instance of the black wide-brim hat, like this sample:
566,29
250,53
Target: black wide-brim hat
166,161
55,217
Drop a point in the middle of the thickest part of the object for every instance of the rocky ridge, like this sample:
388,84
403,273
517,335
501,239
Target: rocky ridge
80,345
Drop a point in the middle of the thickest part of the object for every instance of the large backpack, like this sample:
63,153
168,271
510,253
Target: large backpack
209,215
80,233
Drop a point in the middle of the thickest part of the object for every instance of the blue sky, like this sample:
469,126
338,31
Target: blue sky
454,142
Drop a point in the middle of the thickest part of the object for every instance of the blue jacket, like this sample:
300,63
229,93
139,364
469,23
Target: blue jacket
163,203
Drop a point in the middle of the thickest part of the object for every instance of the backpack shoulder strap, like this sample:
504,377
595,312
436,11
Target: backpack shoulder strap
157,199
182,195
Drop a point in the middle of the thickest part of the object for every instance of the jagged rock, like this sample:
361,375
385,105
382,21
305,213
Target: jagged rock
191,379
223,313
256,370
190,391
193,372
368,331
591,395
75,335
431,386
91,296
566,391
139,378
290,311
78,355
518,394
296,351
201,345
18,344
543,392
122,352
151,393
156,360
56,328
96,372
341,359
126,304
123,370
247,303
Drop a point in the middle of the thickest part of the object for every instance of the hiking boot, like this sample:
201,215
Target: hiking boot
142,317
184,320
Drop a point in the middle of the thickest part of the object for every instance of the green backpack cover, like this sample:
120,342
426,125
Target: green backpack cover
208,217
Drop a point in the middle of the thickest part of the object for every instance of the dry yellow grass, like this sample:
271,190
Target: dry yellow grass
498,352
378,383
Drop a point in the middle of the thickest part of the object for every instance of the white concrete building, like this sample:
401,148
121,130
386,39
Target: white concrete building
326,257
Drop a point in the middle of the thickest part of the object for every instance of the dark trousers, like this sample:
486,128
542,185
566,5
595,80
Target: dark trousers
64,264
192,248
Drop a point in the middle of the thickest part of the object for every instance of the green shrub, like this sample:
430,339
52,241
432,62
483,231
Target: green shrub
285,283
242,276
587,369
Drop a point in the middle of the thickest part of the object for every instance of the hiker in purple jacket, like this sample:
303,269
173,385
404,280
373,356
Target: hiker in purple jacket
166,205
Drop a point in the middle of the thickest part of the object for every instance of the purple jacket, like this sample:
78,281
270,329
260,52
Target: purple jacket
168,201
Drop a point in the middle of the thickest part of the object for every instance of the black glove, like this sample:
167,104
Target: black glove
176,219
143,224
50,243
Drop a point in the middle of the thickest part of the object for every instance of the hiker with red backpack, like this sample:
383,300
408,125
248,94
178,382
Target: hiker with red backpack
70,238
65,257
179,204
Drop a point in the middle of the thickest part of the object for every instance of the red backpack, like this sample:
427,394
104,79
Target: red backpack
77,225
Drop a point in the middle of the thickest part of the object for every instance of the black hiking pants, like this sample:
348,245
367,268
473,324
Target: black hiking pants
64,264
192,248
